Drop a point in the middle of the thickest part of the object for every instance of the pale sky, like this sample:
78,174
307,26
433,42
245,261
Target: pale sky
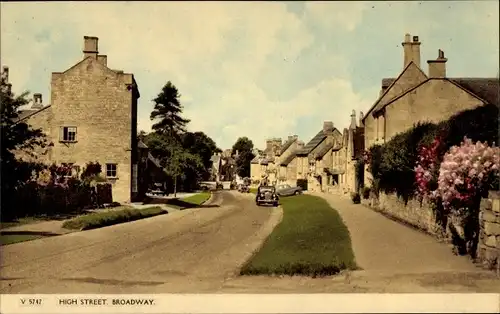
256,69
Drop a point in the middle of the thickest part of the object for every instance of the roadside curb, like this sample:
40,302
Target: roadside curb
264,232
208,200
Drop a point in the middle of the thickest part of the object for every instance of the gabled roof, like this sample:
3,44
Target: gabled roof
141,144
287,145
485,89
288,160
324,150
313,143
155,161
385,82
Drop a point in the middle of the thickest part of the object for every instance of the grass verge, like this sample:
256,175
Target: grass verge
311,240
15,238
253,190
197,199
108,218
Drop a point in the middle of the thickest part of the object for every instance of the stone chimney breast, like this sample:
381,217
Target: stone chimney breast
411,50
90,47
328,126
437,68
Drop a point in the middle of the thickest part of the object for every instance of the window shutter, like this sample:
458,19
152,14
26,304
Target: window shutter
61,134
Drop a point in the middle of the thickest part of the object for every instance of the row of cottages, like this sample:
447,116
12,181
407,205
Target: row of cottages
92,117
415,96
327,162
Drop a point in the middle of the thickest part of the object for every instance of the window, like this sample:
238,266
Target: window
111,170
68,134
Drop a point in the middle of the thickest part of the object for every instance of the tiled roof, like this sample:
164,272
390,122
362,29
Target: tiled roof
24,114
485,88
318,138
155,161
323,151
287,145
288,159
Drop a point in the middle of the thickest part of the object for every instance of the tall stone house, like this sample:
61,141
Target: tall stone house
415,96
92,117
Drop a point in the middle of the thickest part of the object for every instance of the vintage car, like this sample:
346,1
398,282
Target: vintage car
266,195
243,188
287,190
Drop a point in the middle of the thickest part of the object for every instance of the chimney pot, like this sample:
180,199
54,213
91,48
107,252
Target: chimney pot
327,126
411,50
90,46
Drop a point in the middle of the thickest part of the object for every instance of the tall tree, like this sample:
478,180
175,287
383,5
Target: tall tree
244,147
14,136
167,112
198,143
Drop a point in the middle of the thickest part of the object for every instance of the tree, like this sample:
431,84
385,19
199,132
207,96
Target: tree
198,143
167,111
15,136
244,147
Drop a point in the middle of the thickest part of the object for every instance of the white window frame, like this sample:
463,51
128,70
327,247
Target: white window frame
108,170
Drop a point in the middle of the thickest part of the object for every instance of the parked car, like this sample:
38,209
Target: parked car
266,195
288,190
157,189
219,186
243,188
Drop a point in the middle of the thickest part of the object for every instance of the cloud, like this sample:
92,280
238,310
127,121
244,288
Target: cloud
262,69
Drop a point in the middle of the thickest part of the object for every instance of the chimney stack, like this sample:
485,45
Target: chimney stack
37,101
327,126
437,68
353,120
361,116
103,59
300,144
411,49
290,137
90,47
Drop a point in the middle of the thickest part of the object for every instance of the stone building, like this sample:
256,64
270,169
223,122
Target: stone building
345,177
92,117
306,163
415,96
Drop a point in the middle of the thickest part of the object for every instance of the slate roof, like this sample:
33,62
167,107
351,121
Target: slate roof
155,161
141,144
324,151
287,145
288,159
25,114
485,88
318,138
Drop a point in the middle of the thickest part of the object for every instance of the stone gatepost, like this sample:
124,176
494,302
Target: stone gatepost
489,236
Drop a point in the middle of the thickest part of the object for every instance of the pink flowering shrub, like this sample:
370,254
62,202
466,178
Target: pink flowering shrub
467,171
427,170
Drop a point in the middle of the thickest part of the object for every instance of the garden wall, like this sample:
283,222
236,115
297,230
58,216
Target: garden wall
489,236
418,214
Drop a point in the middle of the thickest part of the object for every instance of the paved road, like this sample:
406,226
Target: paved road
194,250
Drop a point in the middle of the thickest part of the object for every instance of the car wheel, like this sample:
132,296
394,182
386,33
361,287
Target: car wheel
275,204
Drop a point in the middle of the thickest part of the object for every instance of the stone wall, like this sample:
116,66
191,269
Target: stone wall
414,212
489,241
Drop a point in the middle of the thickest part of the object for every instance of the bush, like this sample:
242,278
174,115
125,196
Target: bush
356,198
366,192
302,183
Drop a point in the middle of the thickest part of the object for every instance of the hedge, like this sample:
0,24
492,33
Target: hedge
392,164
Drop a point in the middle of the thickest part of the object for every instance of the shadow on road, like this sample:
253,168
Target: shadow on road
114,282
33,233
175,202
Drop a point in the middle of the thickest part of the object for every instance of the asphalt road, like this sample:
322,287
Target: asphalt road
195,250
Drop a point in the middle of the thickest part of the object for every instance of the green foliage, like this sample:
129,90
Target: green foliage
91,171
392,164
15,135
244,146
167,111
112,217
311,240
